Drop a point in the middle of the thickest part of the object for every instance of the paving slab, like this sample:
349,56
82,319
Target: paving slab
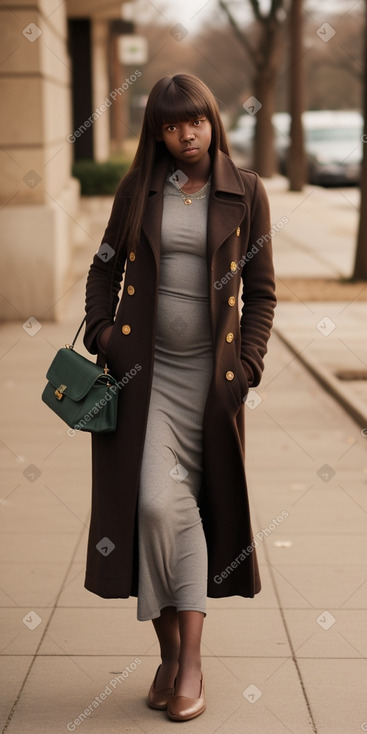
22,629
98,631
326,632
335,709
322,585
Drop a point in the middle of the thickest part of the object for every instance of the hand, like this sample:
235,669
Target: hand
104,338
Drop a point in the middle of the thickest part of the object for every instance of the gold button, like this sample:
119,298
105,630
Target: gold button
229,337
231,300
233,266
126,329
238,231
130,290
229,375
132,256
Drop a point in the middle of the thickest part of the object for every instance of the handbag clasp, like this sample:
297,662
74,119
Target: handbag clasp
59,392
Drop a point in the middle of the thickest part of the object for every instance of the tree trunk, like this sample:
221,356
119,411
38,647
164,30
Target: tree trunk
265,163
360,263
296,163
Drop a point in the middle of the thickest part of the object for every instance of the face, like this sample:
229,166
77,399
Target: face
188,141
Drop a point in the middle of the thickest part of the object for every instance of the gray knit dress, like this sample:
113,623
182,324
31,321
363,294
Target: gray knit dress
172,547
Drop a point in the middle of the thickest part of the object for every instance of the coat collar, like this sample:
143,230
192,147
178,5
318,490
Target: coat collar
226,205
225,175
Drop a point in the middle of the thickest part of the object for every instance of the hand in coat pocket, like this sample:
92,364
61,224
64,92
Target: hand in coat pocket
243,382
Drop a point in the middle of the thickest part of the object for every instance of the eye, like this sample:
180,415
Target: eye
170,128
199,121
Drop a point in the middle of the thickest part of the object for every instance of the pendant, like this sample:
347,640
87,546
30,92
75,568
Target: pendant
187,201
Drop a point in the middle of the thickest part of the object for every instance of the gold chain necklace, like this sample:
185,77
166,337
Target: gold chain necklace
188,198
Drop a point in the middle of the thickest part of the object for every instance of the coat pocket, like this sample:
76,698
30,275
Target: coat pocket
243,381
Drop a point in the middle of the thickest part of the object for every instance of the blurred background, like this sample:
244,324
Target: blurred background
288,76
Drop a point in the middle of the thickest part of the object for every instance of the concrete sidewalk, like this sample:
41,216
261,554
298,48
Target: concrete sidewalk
318,240
291,660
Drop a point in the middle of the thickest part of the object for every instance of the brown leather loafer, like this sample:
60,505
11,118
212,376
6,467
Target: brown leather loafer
158,699
181,708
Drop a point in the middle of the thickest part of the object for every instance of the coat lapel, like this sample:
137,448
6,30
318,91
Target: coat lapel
152,220
226,205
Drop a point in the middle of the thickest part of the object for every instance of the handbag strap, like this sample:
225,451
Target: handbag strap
71,346
77,333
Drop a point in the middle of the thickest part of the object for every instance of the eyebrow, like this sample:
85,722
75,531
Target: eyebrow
189,119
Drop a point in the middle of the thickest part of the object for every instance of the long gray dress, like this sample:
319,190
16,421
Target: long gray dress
172,547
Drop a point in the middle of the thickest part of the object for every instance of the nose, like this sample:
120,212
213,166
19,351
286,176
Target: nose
187,133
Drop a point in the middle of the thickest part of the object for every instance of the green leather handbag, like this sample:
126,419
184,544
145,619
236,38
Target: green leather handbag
80,393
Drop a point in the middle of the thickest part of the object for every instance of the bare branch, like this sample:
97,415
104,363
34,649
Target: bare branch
251,51
256,8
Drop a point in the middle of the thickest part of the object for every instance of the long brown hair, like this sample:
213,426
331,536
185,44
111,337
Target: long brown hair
175,98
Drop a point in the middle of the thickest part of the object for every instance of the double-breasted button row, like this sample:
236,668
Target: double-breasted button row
230,336
126,328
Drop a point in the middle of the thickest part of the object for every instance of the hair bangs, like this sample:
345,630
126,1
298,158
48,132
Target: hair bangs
175,104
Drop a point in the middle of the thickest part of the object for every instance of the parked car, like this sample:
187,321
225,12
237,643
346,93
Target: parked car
333,141
241,137
333,144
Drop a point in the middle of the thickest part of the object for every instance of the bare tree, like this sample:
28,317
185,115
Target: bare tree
360,263
296,164
265,55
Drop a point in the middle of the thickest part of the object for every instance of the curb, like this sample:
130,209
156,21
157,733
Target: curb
327,380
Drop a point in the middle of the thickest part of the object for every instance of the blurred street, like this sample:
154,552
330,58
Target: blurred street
293,659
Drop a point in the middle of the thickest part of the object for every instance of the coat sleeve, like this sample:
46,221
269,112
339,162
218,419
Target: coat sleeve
258,293
104,277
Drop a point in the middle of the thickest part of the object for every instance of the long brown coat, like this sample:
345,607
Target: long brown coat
238,223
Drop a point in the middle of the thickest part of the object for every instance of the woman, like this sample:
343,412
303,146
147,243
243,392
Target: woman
169,494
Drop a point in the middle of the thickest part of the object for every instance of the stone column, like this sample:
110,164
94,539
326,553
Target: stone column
39,199
101,89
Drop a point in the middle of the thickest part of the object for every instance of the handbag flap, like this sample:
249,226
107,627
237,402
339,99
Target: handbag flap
73,374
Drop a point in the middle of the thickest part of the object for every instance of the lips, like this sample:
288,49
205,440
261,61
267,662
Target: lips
189,150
